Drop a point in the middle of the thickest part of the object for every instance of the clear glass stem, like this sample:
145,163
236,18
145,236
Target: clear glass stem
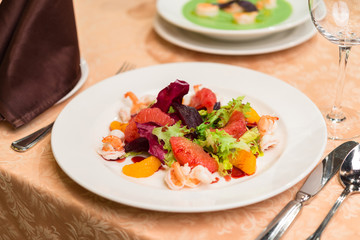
336,114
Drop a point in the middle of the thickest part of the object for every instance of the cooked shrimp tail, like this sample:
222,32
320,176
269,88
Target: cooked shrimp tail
267,124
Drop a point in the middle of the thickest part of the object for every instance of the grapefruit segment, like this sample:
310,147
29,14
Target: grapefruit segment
186,151
236,126
204,98
146,115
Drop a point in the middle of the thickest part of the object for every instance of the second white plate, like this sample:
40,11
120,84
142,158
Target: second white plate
84,75
201,43
171,10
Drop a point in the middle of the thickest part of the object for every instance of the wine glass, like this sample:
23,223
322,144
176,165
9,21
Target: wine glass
339,22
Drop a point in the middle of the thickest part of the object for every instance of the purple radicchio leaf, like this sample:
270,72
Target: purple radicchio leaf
246,5
155,148
225,5
174,92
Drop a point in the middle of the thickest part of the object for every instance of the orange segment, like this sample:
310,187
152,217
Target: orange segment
253,116
245,161
123,127
118,125
145,168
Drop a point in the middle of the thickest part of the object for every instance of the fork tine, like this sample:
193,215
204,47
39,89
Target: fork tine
123,66
126,66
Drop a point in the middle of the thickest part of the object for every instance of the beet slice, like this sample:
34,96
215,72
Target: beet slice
188,115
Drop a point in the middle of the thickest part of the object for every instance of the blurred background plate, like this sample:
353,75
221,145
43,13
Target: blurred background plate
171,11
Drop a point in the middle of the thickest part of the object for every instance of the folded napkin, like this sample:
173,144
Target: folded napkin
39,56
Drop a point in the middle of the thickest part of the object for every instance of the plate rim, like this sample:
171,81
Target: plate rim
156,207
162,31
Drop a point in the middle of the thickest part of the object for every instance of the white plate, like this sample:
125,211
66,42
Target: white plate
201,43
171,10
78,131
84,75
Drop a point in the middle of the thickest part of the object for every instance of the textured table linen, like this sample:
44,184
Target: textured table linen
39,201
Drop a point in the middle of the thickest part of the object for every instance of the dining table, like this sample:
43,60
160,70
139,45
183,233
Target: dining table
38,200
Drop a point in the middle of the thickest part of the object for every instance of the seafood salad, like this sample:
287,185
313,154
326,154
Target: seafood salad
237,14
194,138
243,12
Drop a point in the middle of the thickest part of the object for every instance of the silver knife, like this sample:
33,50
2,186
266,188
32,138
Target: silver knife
314,183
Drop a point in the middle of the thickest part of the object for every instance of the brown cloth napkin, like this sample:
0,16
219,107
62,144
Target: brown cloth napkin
39,56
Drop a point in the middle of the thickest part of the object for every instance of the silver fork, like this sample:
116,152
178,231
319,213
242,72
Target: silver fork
29,141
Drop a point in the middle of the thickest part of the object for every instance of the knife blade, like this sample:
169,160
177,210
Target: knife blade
314,183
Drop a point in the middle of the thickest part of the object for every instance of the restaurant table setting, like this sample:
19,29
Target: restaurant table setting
66,65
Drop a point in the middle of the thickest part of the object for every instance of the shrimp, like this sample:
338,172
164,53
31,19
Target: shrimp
270,4
190,181
234,8
197,87
137,104
202,174
267,141
124,115
267,4
179,177
245,17
118,133
207,9
187,98
267,125
175,178
114,143
259,5
113,146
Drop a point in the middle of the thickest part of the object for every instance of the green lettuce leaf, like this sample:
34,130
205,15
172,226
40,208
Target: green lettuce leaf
252,137
221,146
165,133
219,118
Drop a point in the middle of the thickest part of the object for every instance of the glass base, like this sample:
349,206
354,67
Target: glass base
346,129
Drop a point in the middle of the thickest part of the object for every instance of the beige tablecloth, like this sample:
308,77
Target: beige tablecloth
39,201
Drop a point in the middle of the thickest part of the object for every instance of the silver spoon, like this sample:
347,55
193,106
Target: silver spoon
350,179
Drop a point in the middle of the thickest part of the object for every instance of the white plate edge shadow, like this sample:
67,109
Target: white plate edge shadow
204,44
94,186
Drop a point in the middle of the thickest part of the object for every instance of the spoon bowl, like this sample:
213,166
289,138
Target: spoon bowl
350,171
350,178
